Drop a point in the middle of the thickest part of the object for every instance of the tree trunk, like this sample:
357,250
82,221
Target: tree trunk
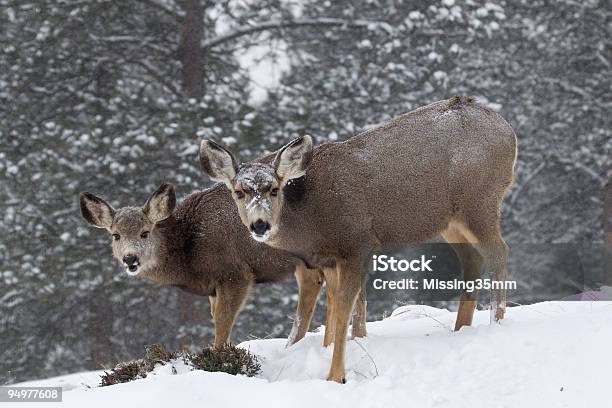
607,212
192,54
100,330
607,221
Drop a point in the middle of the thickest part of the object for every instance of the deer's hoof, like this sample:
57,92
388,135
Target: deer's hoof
359,333
339,379
327,341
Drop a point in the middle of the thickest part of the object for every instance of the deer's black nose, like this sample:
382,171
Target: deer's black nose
130,260
260,227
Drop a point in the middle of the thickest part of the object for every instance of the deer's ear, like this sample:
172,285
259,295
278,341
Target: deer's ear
217,162
293,159
160,204
96,211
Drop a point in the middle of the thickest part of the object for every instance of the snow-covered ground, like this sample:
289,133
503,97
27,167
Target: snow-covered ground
553,354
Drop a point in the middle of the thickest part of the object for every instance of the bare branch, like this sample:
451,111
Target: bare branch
151,70
270,25
176,14
526,181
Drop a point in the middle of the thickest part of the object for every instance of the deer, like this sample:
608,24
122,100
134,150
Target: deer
201,247
442,169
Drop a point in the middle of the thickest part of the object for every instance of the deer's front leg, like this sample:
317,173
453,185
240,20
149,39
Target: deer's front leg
347,290
360,315
309,282
229,300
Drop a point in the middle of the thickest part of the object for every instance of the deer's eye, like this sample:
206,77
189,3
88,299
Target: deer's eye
274,192
116,237
239,194
144,234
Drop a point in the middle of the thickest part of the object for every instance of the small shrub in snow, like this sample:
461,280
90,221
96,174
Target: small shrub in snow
125,372
227,359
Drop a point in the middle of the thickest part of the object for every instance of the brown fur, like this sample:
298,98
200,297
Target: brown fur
203,248
441,169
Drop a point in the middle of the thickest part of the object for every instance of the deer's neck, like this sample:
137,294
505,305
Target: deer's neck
312,223
172,266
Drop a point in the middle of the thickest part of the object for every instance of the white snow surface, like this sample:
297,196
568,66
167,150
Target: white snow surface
553,354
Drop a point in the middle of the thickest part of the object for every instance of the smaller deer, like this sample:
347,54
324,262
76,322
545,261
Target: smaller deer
201,247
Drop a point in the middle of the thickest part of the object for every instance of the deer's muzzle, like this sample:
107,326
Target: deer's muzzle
131,263
260,227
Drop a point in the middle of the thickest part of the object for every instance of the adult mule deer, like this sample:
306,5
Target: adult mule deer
441,169
201,247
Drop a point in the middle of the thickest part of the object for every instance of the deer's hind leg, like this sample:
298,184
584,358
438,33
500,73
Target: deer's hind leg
213,306
309,282
471,264
331,287
229,301
484,229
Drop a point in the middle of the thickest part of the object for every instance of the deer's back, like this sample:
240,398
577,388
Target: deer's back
403,181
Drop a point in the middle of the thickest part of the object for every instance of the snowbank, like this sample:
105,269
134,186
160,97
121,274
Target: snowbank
547,354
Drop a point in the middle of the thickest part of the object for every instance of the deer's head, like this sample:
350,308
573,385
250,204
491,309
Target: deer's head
257,188
137,243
